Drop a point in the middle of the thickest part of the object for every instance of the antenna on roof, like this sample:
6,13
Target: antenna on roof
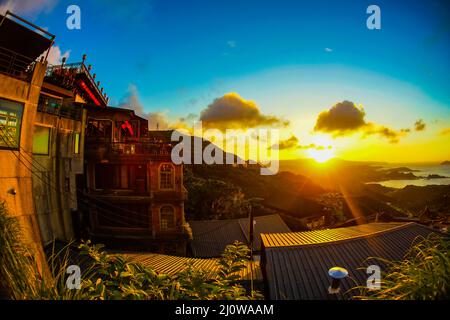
336,274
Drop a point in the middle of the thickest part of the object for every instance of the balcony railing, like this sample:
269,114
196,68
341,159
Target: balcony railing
15,64
67,74
64,110
104,148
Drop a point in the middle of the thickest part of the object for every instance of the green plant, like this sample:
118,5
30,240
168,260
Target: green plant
107,276
19,270
115,277
424,273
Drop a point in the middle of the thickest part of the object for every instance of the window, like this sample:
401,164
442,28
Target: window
127,129
41,139
76,143
49,104
167,218
166,176
99,128
10,123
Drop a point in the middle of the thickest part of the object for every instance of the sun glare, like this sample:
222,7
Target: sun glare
321,156
323,150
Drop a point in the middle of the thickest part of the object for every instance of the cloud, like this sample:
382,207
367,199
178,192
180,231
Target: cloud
191,117
445,131
293,143
346,118
314,146
157,119
231,44
55,55
132,101
27,7
419,125
392,135
231,111
329,50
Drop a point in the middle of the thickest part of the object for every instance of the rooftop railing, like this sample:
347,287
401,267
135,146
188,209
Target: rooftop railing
65,75
15,64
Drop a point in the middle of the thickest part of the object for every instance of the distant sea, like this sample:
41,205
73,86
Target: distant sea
423,170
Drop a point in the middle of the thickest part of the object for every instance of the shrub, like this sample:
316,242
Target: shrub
424,274
113,276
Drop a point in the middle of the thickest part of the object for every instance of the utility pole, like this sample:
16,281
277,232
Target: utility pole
250,238
251,203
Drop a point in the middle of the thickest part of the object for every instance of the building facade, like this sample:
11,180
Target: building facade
73,167
134,193
21,78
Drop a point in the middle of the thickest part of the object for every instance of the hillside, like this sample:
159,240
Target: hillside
285,191
221,191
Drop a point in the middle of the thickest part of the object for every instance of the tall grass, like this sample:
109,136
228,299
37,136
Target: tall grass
108,276
19,270
424,273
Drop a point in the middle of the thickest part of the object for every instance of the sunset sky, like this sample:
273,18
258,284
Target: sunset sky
309,68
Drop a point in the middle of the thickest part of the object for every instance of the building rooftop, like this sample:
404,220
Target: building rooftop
21,43
210,237
172,265
296,264
327,235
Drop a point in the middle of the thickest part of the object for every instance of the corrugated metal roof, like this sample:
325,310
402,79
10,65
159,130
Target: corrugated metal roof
264,224
210,237
172,265
327,235
297,264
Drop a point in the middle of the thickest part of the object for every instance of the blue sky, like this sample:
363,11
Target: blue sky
294,58
165,47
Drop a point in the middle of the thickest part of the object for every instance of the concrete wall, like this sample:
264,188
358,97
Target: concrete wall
54,191
14,173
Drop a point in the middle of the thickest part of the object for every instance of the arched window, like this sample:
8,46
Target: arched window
166,176
167,219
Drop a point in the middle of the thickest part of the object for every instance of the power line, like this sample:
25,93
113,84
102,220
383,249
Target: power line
124,218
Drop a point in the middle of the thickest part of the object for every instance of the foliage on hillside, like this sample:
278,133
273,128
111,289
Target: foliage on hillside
286,192
212,198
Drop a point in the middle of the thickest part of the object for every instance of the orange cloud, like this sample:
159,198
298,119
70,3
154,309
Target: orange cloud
231,111
419,125
346,118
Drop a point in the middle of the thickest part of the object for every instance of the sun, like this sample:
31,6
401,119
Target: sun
321,155
323,149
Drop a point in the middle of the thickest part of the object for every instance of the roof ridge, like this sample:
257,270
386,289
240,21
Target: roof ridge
375,233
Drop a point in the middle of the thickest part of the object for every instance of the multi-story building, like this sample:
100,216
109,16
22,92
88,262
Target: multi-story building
58,145
66,156
22,72
134,192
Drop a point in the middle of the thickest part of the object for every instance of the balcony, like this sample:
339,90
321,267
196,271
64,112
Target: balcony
140,148
77,77
16,65
21,44
56,107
